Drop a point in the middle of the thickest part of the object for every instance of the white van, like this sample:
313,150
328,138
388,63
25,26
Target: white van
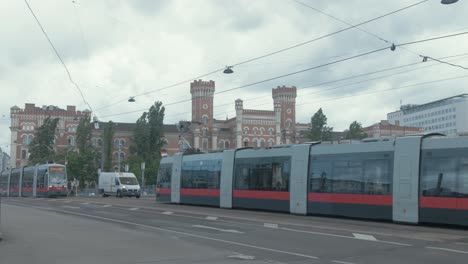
119,184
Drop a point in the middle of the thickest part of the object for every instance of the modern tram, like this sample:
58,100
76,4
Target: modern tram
45,180
414,179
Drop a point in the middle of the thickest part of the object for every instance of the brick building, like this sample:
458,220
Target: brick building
24,124
252,128
385,129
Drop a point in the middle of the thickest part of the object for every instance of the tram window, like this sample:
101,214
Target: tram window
201,174
351,174
439,177
463,177
41,178
320,178
164,175
265,174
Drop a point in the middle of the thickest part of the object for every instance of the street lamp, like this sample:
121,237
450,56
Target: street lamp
448,2
228,70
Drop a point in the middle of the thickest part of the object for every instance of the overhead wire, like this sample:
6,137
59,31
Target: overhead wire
308,69
58,56
275,52
425,57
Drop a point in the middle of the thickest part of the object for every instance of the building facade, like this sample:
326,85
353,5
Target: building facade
448,116
249,128
385,129
4,161
24,124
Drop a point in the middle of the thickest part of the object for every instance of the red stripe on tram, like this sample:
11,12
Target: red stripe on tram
369,199
272,195
200,192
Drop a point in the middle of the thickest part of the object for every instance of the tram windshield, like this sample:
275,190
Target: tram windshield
57,176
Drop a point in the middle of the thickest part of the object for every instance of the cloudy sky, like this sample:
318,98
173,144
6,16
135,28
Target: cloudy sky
116,49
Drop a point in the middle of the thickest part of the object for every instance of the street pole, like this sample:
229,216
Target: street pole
142,175
119,155
102,148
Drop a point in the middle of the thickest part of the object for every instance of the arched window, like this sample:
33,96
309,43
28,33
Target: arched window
246,142
116,143
204,131
205,119
255,143
30,139
226,144
271,131
246,130
122,156
205,144
122,142
99,142
24,139
288,123
71,141
255,130
262,143
271,142
262,130
221,144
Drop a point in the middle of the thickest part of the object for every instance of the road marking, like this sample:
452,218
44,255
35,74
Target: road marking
241,256
72,207
448,249
84,203
66,201
134,209
167,213
341,262
342,236
171,231
460,243
107,205
52,200
219,229
364,237
211,218
270,225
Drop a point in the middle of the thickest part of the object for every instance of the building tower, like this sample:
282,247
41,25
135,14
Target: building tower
286,98
202,108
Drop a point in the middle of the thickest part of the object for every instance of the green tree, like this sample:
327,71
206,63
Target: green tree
355,131
41,149
109,131
148,138
319,131
82,162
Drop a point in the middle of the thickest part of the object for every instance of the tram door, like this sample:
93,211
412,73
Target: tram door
406,180
175,181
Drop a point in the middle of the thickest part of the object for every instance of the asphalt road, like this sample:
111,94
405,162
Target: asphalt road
111,230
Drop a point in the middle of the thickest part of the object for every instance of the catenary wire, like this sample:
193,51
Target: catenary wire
58,56
275,52
308,69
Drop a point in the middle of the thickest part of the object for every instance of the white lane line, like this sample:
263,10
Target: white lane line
342,236
460,243
241,256
107,205
134,209
167,213
72,207
341,262
219,229
52,200
84,203
66,201
448,249
364,237
172,231
211,218
270,225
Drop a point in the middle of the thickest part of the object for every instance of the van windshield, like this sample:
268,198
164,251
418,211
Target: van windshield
128,181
